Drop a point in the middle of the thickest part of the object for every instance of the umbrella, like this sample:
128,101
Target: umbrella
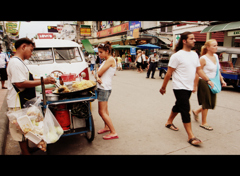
148,46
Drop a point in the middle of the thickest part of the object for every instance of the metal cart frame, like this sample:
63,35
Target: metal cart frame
89,130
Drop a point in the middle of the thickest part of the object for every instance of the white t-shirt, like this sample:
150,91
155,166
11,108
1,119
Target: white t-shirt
3,59
210,69
185,64
17,72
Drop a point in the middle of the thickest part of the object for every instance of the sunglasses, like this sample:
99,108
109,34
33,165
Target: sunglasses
101,44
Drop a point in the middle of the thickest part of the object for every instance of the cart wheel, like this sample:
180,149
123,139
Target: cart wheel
91,134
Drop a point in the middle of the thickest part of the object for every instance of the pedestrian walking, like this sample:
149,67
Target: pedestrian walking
144,64
119,63
104,85
210,64
3,66
93,61
139,61
153,60
183,66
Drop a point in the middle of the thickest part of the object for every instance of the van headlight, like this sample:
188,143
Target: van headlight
83,74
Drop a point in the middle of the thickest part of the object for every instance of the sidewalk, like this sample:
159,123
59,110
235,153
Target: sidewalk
3,119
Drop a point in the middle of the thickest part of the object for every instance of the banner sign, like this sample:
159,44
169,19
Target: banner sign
113,30
85,31
134,25
132,51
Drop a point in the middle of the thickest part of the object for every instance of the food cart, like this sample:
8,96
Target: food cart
230,73
80,122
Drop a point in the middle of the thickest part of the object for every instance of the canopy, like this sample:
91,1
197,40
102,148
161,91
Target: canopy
122,47
222,27
148,46
96,50
229,50
87,45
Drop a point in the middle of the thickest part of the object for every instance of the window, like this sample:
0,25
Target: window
40,56
67,55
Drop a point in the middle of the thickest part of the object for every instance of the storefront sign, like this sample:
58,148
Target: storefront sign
132,51
113,30
52,29
11,27
234,33
134,25
45,36
85,31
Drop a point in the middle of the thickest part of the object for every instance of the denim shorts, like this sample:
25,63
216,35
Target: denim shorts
103,95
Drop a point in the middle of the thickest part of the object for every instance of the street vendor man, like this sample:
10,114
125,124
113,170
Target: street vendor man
21,86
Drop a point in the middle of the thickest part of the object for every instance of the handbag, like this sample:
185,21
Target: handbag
216,81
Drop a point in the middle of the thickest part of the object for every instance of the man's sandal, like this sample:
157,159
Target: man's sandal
172,127
195,139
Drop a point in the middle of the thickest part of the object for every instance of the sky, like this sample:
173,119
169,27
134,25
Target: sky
30,29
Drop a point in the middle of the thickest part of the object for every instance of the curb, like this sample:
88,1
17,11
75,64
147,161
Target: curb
3,126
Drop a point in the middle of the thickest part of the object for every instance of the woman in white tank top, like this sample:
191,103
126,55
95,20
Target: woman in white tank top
104,78
205,97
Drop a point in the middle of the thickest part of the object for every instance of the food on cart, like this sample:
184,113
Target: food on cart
84,84
62,89
42,145
76,86
35,111
25,124
33,137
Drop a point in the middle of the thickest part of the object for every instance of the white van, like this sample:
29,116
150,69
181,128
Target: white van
53,55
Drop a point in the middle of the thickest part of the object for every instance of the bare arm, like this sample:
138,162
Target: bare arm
109,63
34,83
166,79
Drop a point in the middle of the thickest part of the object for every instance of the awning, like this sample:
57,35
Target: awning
222,27
122,47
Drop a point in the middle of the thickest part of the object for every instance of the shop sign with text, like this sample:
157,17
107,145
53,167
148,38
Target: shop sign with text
113,30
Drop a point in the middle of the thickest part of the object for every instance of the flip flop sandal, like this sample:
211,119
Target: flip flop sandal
195,116
108,137
206,127
172,127
103,131
194,139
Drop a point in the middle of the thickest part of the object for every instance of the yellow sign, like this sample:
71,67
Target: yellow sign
11,27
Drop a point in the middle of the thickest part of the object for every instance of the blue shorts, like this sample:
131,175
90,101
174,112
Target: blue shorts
103,95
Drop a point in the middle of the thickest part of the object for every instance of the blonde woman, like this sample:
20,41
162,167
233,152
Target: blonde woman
206,98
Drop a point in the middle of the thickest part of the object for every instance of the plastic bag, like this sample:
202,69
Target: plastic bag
52,130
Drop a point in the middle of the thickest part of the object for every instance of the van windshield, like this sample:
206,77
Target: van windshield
67,55
40,56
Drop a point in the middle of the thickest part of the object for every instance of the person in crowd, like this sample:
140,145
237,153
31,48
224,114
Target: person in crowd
3,66
104,85
209,61
144,60
119,63
21,86
93,61
183,66
153,60
139,61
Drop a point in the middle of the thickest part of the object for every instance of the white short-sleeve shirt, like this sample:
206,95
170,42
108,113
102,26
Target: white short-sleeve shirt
17,72
185,64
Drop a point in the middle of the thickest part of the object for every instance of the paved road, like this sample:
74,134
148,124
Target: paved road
139,113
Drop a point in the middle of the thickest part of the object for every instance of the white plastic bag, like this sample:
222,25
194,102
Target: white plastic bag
52,130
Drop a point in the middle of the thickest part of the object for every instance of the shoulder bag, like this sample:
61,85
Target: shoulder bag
217,84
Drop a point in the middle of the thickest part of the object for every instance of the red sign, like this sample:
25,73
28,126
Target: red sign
113,30
45,35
